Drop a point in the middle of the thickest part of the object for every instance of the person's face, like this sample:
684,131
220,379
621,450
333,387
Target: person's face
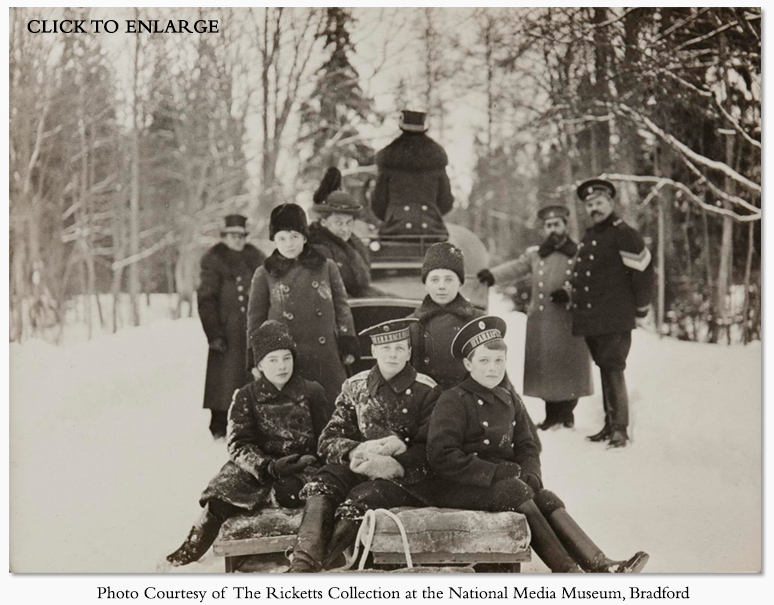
391,357
289,243
339,224
277,367
442,285
235,241
486,367
555,229
599,208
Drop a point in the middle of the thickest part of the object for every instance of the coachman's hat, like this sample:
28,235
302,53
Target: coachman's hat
271,336
553,210
412,121
234,223
595,187
475,333
389,331
338,202
288,217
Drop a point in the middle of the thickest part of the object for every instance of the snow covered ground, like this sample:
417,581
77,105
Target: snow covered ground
110,450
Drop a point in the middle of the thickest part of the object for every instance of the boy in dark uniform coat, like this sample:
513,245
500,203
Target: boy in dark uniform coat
611,288
482,442
274,425
373,447
226,271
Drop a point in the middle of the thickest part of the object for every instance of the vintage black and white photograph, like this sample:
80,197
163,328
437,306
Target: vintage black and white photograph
467,290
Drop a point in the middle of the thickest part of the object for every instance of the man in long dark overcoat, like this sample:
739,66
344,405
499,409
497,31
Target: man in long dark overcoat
412,189
226,271
557,365
611,288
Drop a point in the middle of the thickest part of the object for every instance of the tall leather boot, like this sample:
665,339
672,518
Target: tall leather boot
545,542
586,553
199,539
552,417
607,429
567,417
619,408
344,534
313,534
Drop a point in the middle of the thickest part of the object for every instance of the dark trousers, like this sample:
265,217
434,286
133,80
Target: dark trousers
504,495
218,423
609,352
561,411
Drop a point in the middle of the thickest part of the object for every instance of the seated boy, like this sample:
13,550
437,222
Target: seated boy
374,449
483,443
273,427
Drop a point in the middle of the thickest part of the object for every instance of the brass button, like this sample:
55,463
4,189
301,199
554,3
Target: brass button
588,273
239,278
540,296
285,288
594,243
569,261
241,298
321,340
540,284
408,391
288,315
409,225
315,284
406,439
586,288
541,307
513,423
588,305
406,208
485,423
591,257
480,402
540,273
542,262
424,207
240,288
242,309
568,272
405,410
424,225
486,441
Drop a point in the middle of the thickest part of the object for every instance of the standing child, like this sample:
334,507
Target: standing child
301,288
273,428
441,315
482,442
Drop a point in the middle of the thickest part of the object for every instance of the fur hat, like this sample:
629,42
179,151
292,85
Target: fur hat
288,217
444,255
271,336
234,223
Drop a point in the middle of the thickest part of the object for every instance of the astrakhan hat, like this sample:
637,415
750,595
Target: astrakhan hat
271,336
475,333
595,187
444,255
393,330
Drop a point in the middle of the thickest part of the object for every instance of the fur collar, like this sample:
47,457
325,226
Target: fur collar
460,306
277,265
412,152
223,251
320,235
569,248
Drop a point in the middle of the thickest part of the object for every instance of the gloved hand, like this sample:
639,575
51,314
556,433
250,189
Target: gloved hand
375,466
507,470
288,465
485,277
559,296
642,312
218,345
533,481
386,446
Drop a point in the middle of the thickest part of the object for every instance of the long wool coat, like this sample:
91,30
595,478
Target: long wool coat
370,407
307,295
351,258
412,189
557,365
432,336
265,424
222,300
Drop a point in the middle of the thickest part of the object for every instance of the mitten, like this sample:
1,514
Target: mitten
485,277
285,466
375,466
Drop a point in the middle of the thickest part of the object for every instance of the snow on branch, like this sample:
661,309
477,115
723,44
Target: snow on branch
135,258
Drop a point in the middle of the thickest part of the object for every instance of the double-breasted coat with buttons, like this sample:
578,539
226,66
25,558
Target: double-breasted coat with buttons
473,429
308,296
432,336
222,301
265,424
351,258
612,280
412,188
370,407
557,364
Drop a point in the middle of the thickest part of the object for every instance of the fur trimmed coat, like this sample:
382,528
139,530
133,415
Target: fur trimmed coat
308,295
412,188
351,258
222,302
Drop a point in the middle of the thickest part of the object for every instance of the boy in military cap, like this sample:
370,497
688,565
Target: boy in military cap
441,315
274,424
374,449
482,442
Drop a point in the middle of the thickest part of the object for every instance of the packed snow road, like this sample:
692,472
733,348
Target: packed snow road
110,450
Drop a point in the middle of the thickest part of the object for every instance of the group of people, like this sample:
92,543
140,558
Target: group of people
436,421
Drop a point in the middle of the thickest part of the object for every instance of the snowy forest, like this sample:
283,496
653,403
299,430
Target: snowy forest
126,150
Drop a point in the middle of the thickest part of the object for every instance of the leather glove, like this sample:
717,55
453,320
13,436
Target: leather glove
485,277
288,465
533,481
375,466
559,296
218,345
507,470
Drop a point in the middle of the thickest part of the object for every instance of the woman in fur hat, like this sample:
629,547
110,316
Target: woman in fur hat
274,424
301,288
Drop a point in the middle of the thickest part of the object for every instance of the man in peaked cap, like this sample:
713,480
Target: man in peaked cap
557,365
612,284
485,453
374,448
226,271
412,189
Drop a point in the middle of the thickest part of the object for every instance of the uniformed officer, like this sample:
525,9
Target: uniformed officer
374,449
611,287
484,448
557,365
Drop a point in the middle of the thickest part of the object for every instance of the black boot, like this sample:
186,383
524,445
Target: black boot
602,435
313,534
344,534
552,418
199,539
545,542
619,408
619,437
607,430
586,553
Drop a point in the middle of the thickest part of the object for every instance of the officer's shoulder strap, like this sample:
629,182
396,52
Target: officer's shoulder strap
426,380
